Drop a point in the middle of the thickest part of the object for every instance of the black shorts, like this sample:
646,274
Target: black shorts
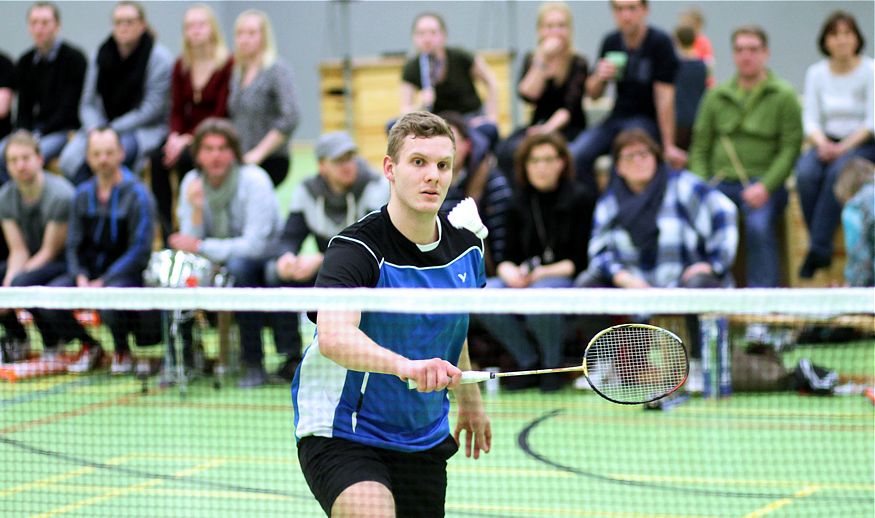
418,481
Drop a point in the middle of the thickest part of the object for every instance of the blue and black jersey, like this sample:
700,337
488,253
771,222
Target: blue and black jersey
379,409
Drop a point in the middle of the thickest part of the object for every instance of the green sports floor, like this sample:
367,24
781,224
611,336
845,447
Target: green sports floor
99,446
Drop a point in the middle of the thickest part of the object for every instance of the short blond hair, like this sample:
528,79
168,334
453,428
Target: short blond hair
420,124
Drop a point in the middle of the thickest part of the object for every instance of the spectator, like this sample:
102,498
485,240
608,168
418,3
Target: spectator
34,209
264,102
690,84
552,81
641,61
199,89
746,138
49,78
344,190
549,224
7,80
475,176
126,88
839,120
228,213
702,47
855,189
655,227
109,241
445,78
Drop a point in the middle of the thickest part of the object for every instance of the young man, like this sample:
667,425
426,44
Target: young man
34,209
49,79
747,136
127,87
641,60
344,190
367,445
108,245
228,213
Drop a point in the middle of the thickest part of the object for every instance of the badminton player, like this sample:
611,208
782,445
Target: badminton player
367,445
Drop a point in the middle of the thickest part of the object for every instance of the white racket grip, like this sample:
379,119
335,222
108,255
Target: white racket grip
467,377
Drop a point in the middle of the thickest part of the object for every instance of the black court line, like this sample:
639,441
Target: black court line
524,444
191,481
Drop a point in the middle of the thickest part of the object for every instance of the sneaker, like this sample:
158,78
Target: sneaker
143,368
695,381
254,377
12,350
52,357
121,364
87,361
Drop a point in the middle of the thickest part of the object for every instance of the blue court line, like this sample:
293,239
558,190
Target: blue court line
39,394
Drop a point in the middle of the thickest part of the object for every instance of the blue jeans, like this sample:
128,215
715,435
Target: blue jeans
597,141
814,181
547,332
762,257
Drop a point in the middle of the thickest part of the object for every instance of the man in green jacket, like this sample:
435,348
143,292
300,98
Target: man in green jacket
746,139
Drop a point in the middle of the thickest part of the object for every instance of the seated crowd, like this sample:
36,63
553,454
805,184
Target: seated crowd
697,166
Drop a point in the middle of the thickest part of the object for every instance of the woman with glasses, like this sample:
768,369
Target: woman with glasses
548,227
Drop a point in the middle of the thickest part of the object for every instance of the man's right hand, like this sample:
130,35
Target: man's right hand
286,266
431,375
195,193
82,281
605,70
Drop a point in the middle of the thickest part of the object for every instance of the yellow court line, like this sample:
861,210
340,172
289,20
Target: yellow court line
783,502
80,489
48,481
507,510
744,482
121,491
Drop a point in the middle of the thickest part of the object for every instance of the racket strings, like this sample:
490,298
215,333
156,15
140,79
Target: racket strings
636,364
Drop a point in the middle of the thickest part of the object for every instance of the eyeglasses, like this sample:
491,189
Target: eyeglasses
125,21
632,155
535,160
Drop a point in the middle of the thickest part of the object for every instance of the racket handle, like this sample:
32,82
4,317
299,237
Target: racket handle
467,377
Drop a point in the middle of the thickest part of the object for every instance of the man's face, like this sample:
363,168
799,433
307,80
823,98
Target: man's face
127,26
340,172
215,157
105,154
23,162
629,15
750,55
43,27
422,174
428,35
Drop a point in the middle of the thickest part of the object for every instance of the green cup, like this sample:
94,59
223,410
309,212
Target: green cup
619,59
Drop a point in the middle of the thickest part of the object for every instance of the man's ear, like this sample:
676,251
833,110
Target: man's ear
389,168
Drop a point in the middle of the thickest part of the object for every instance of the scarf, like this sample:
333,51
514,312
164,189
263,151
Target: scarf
637,213
219,202
121,82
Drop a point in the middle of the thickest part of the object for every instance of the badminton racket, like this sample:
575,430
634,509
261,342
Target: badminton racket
629,364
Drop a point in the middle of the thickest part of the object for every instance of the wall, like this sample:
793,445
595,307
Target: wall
308,32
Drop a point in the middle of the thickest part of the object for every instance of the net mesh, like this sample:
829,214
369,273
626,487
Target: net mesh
788,429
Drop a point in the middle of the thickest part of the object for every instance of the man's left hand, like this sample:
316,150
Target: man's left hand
184,242
755,195
475,422
675,156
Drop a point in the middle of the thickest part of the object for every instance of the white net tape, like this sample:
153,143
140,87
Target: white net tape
811,302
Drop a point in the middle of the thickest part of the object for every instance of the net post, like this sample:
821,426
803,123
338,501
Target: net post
724,357
707,331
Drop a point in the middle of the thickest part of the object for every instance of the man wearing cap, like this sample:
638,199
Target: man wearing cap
344,190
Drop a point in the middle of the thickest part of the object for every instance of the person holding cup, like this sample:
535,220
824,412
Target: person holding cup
640,60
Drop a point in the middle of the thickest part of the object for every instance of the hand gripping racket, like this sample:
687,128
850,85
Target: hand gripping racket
630,364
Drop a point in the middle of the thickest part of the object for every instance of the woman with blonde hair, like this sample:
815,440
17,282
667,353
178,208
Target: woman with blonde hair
199,89
263,103
552,81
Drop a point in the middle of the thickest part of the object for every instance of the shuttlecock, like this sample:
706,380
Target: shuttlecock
464,215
